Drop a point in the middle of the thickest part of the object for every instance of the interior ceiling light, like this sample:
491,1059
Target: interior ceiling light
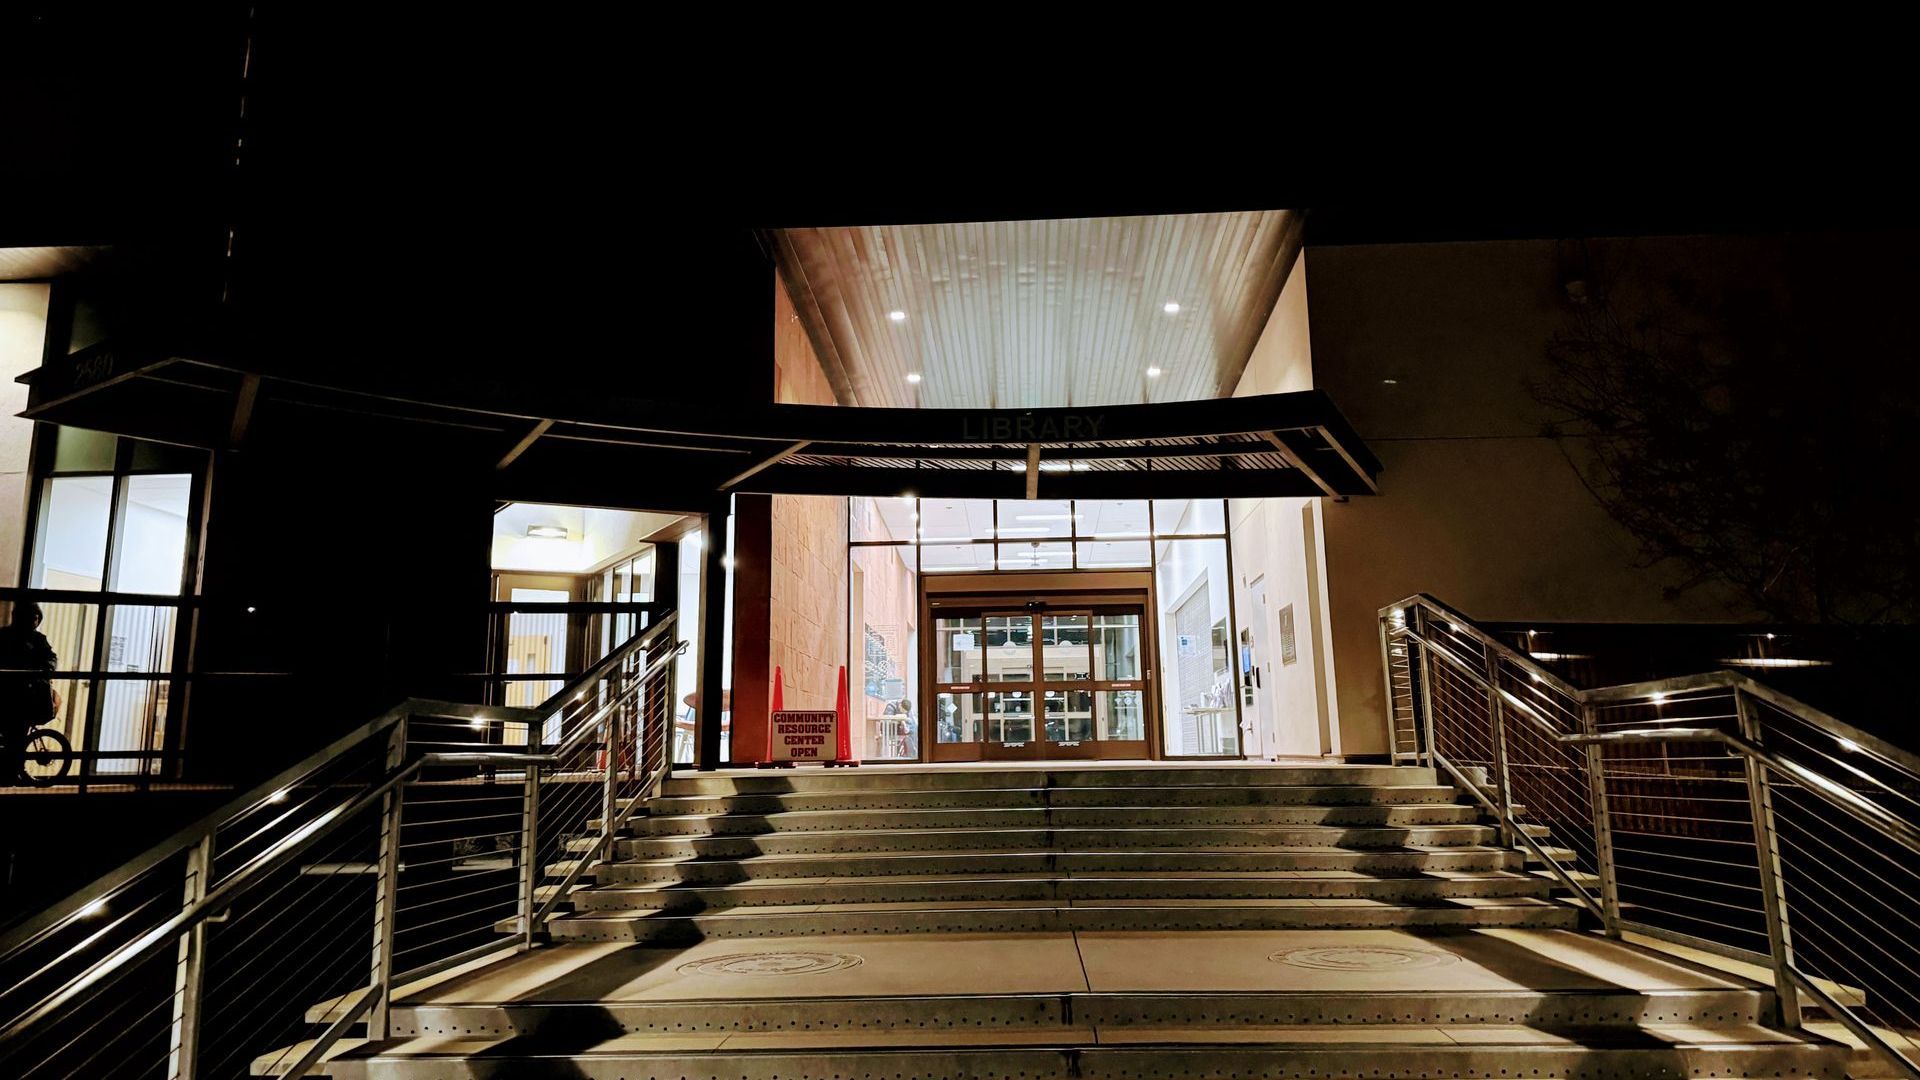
1153,373
1048,517
547,532
913,377
897,316
1170,308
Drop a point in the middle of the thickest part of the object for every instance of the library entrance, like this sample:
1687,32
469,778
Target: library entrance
1039,677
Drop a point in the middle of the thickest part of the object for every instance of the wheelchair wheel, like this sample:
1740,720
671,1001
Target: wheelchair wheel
49,757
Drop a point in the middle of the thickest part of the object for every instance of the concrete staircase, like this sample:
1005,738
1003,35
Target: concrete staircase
1094,922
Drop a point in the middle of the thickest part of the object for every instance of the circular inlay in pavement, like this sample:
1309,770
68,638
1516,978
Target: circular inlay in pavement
772,963
1364,958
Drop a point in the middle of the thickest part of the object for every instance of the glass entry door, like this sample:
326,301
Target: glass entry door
1053,682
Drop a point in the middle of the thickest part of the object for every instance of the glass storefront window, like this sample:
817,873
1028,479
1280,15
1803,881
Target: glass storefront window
1112,554
133,712
150,550
77,450
883,656
949,521
956,558
1036,556
1113,519
1038,518
1196,680
871,520
1189,517
71,552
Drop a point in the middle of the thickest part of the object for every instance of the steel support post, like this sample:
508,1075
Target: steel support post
1766,844
1602,825
386,890
190,970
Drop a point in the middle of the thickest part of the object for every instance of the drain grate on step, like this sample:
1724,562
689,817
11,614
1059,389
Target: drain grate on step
773,963
1363,958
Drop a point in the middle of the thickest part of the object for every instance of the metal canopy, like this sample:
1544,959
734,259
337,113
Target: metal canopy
564,445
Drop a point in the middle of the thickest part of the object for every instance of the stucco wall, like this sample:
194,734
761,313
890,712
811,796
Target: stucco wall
1476,507
23,330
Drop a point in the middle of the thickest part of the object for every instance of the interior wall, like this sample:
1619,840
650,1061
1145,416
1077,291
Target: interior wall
1476,506
23,332
1275,546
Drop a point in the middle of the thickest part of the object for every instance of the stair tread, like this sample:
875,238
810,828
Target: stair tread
611,914
1075,875
1299,1037
1251,849
1030,810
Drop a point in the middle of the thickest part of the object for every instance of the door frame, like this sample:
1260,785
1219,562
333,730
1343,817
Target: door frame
1009,593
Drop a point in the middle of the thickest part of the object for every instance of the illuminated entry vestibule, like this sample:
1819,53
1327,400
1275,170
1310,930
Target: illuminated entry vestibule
1041,629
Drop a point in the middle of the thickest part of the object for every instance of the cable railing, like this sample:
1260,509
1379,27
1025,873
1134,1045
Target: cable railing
253,941
1708,811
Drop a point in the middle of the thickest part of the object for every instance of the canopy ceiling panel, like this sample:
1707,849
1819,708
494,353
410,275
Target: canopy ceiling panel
1035,314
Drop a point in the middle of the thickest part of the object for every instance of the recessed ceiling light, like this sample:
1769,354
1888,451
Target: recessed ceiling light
1153,373
1170,308
1390,382
897,316
913,377
547,532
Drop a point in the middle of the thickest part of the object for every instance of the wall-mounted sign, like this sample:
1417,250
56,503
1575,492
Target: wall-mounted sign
1189,645
804,735
1287,652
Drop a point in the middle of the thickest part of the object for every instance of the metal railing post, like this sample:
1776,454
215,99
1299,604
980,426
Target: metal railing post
1767,847
1389,706
529,838
610,796
1425,719
1602,826
1503,787
190,971
386,889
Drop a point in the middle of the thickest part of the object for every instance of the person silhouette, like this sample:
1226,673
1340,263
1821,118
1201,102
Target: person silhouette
26,695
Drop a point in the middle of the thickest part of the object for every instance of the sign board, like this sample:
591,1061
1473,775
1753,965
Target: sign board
804,735
1288,649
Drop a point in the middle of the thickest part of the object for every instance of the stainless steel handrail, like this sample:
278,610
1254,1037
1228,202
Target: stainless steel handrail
100,974
1398,623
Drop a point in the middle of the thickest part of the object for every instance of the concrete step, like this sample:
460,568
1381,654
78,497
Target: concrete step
1059,887
1087,1052
782,781
1587,1009
1065,838
1164,794
751,824
1001,917
1405,859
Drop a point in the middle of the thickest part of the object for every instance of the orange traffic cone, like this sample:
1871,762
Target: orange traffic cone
843,752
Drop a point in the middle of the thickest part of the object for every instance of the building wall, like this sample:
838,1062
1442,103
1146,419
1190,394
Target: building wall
1276,545
807,631
1476,507
23,331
